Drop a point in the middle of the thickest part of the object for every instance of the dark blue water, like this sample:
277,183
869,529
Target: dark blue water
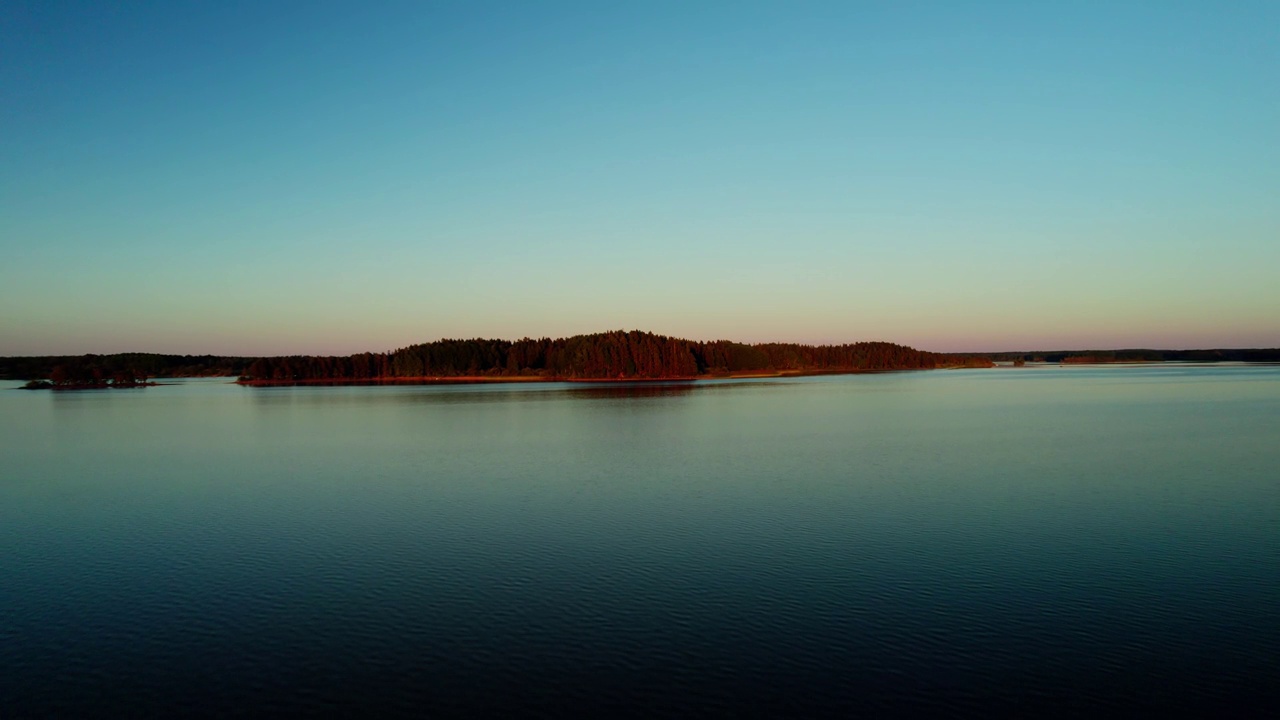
1032,540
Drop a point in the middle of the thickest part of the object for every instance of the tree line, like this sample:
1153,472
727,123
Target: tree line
1141,355
81,376
93,368
611,355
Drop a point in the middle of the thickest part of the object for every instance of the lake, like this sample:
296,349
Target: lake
1028,540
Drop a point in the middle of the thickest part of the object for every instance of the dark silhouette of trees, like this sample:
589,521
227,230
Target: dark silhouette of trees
601,356
86,369
610,355
60,375
85,375
1140,355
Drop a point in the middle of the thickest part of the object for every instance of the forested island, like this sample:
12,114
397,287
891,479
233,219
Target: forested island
94,369
618,355
82,377
615,355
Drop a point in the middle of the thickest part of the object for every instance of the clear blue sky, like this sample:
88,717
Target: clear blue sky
272,177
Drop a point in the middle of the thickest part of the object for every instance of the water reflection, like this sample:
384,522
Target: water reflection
495,393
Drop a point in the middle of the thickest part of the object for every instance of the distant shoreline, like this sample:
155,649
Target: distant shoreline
747,375
524,379
613,356
46,385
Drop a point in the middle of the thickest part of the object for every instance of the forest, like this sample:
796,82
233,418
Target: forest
599,356
99,369
1137,355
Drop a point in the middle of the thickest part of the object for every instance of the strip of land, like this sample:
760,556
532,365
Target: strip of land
498,379
618,356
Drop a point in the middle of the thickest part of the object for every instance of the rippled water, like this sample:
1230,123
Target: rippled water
1036,539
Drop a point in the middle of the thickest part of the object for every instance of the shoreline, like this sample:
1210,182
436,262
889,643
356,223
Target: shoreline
46,385
518,379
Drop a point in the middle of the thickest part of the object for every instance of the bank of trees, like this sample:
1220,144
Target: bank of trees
611,355
1141,355
104,368
90,376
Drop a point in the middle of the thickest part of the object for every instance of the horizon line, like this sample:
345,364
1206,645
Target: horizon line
660,334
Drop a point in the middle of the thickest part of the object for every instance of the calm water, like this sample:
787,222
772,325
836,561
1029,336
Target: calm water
1033,539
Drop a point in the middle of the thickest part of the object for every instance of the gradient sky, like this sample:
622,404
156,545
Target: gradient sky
329,177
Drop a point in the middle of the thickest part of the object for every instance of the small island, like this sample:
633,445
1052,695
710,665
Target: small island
64,377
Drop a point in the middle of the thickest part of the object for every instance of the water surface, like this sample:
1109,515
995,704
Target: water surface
1036,539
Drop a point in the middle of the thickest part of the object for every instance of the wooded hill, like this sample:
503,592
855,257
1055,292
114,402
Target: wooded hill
610,355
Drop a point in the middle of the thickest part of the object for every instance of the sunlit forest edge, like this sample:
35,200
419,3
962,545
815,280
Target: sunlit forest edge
617,355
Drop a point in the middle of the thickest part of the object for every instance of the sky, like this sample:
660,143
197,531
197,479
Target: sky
336,177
